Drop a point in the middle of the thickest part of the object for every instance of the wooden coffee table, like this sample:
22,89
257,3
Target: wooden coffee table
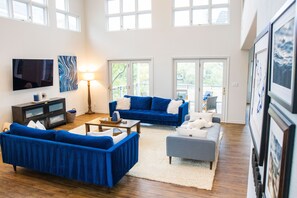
128,125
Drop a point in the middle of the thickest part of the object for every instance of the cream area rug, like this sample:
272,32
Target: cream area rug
153,163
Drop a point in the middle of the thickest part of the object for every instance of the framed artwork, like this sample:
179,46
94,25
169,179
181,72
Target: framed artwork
260,99
279,155
283,54
67,73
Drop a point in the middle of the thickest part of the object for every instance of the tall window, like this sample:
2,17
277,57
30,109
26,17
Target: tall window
34,11
128,14
132,77
66,20
200,12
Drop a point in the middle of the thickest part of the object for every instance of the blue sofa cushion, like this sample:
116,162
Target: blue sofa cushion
21,130
160,104
103,142
149,115
140,102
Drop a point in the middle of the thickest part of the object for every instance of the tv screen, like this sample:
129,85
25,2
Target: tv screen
32,73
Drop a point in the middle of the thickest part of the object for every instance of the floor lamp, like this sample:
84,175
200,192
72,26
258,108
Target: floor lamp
88,76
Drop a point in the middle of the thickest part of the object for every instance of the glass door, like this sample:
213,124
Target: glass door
141,78
202,83
119,80
186,81
213,86
130,78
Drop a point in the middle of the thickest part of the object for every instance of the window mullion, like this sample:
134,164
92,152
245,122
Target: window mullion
136,14
29,11
121,13
209,14
10,8
191,12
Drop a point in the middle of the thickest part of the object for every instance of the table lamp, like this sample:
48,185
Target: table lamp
88,76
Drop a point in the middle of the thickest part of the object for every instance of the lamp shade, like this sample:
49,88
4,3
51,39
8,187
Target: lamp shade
88,76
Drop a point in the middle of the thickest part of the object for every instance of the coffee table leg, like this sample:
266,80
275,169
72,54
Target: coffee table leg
138,128
128,131
100,128
87,128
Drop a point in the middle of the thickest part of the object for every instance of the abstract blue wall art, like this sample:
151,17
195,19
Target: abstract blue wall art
283,72
283,54
67,73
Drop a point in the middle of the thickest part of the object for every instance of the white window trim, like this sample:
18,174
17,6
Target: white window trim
67,13
191,8
121,14
29,11
129,80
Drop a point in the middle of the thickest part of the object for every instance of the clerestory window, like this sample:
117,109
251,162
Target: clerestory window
65,19
34,11
128,14
200,12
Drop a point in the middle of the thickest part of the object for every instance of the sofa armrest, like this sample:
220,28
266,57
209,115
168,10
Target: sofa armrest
112,107
187,117
121,158
183,110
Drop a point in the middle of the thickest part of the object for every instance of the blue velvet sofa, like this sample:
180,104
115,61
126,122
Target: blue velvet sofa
56,153
152,110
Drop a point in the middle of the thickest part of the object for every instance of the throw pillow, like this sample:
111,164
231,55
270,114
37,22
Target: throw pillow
102,142
123,104
160,104
109,133
191,132
31,124
140,102
199,123
119,137
104,133
17,129
173,106
196,115
39,125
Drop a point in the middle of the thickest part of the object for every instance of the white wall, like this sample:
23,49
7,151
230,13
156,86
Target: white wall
248,24
162,43
20,39
265,11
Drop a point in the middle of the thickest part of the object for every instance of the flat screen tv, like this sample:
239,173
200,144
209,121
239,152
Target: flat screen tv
32,73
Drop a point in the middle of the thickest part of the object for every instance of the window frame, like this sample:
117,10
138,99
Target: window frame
29,5
68,14
122,14
130,62
209,7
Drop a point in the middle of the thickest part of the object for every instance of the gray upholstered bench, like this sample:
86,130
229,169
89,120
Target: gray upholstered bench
195,148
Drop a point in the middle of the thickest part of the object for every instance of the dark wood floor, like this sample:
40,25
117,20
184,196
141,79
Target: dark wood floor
230,180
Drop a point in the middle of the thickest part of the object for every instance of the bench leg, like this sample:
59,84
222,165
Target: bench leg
14,168
210,166
170,159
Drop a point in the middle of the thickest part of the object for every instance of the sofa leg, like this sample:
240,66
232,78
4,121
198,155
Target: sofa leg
170,159
14,168
210,166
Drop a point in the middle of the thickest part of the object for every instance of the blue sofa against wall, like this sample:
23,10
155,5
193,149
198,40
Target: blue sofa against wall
152,110
57,153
